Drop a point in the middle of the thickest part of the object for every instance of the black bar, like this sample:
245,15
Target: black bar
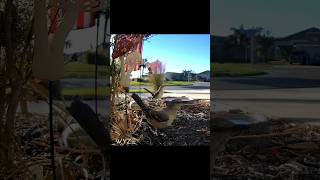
51,131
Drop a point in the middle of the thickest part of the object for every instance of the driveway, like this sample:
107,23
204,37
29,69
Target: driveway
287,91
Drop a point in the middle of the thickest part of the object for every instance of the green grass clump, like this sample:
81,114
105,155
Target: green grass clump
83,70
101,91
166,83
236,69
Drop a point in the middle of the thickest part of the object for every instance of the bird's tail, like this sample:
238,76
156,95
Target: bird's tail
139,101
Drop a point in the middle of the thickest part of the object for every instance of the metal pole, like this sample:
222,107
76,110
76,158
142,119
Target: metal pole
96,66
252,50
51,115
51,131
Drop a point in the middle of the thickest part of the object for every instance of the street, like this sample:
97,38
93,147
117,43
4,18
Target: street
82,83
287,91
199,90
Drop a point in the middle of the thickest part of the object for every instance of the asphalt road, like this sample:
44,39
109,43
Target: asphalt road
199,90
287,91
278,77
82,83
195,86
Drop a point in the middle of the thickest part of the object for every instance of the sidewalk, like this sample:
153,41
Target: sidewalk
299,103
194,94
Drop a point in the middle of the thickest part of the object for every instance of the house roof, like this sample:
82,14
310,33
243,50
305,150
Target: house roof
299,35
205,72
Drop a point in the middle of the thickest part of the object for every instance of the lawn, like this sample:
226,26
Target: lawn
90,92
167,83
236,69
85,92
82,70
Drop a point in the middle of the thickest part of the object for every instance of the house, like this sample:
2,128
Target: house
303,46
173,76
204,76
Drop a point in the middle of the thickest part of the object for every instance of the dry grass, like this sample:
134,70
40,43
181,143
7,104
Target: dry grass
122,128
157,80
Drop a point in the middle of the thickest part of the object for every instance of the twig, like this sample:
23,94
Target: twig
263,135
69,149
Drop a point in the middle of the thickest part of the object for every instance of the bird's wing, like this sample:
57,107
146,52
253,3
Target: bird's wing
161,116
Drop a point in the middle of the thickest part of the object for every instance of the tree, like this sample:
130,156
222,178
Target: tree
257,38
15,57
187,75
264,43
144,64
74,57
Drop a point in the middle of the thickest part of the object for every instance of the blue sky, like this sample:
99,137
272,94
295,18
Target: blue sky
179,52
281,17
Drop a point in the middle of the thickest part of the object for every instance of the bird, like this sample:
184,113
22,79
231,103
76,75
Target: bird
161,118
157,94
90,123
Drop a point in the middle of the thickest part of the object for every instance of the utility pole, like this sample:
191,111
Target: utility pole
252,48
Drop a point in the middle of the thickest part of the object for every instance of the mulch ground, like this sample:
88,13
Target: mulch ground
33,156
290,150
191,128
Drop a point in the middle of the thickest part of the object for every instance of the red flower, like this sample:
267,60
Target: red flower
124,43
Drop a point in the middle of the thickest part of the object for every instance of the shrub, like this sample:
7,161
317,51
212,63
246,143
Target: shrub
157,74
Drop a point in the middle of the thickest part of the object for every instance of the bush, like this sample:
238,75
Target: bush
141,80
157,80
